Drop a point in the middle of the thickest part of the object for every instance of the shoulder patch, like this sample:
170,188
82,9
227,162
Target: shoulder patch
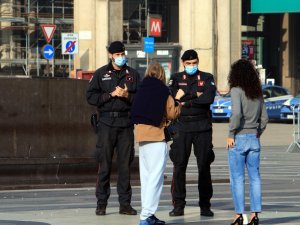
129,78
201,83
182,84
171,82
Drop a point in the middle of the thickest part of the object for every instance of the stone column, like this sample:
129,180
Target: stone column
115,20
212,28
235,30
98,22
195,30
91,23
222,43
228,35
285,53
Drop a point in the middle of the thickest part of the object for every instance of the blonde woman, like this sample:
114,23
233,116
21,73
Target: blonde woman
152,107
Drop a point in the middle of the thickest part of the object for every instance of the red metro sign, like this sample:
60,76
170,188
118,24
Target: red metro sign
155,26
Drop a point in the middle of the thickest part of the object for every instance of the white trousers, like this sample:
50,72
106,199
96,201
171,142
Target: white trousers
152,160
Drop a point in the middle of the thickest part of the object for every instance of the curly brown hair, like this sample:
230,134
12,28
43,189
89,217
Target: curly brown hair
243,74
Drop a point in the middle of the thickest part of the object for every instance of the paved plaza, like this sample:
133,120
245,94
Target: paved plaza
65,206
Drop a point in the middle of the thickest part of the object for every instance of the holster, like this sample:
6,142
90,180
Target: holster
94,122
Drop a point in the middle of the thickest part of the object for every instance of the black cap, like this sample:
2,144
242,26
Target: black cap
189,55
115,47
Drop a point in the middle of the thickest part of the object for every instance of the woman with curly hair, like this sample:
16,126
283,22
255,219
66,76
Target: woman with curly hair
247,123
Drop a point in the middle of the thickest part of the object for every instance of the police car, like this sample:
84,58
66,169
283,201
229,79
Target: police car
221,107
286,112
274,97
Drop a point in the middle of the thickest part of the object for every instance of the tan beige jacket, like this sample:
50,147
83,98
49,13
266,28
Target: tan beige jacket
145,132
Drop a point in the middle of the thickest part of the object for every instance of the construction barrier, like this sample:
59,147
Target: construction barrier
295,145
84,74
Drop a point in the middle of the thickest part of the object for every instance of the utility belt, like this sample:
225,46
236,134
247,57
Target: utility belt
114,114
194,117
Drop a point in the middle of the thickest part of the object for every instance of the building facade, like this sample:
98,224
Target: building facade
212,28
221,31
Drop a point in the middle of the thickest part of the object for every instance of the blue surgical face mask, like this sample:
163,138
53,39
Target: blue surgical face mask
120,61
191,70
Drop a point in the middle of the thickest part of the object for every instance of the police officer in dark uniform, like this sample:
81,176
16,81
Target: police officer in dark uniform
112,89
194,127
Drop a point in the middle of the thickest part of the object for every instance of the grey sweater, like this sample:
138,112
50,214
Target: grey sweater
248,116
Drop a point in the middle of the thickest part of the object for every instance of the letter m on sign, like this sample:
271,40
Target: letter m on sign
155,26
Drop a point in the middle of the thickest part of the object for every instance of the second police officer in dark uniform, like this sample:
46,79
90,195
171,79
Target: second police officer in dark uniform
194,127
112,89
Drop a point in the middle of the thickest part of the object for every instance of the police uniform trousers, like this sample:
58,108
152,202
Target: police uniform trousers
109,139
180,153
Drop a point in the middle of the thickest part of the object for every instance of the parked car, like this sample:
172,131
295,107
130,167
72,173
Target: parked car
286,111
274,97
221,107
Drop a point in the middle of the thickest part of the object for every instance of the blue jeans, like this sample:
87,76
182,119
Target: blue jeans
246,151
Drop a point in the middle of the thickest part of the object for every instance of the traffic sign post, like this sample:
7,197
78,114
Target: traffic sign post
69,45
149,44
48,53
48,31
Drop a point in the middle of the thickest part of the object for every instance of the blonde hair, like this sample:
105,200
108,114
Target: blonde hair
157,71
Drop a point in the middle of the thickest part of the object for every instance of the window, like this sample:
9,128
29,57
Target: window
135,20
278,92
267,93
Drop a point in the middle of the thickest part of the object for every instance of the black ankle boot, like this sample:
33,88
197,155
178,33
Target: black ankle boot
239,220
254,221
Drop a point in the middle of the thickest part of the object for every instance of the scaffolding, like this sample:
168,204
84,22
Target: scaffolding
21,37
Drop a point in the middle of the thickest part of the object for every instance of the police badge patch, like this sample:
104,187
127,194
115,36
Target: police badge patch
182,84
129,79
201,83
106,77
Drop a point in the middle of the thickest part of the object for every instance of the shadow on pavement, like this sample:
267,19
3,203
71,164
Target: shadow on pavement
205,222
281,220
15,222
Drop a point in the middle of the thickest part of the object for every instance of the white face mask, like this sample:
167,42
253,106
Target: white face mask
190,70
119,61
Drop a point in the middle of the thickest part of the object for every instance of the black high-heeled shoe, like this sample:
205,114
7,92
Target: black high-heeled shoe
239,220
254,221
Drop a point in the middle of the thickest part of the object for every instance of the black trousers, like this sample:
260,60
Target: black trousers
179,154
109,139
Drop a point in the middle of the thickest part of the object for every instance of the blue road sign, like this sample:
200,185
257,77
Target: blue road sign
70,46
149,44
48,52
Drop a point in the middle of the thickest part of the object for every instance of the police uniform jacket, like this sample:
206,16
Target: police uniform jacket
113,111
195,113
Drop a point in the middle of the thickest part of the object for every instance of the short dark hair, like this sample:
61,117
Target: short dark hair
189,55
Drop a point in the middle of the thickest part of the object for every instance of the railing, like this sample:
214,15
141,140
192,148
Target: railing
295,145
